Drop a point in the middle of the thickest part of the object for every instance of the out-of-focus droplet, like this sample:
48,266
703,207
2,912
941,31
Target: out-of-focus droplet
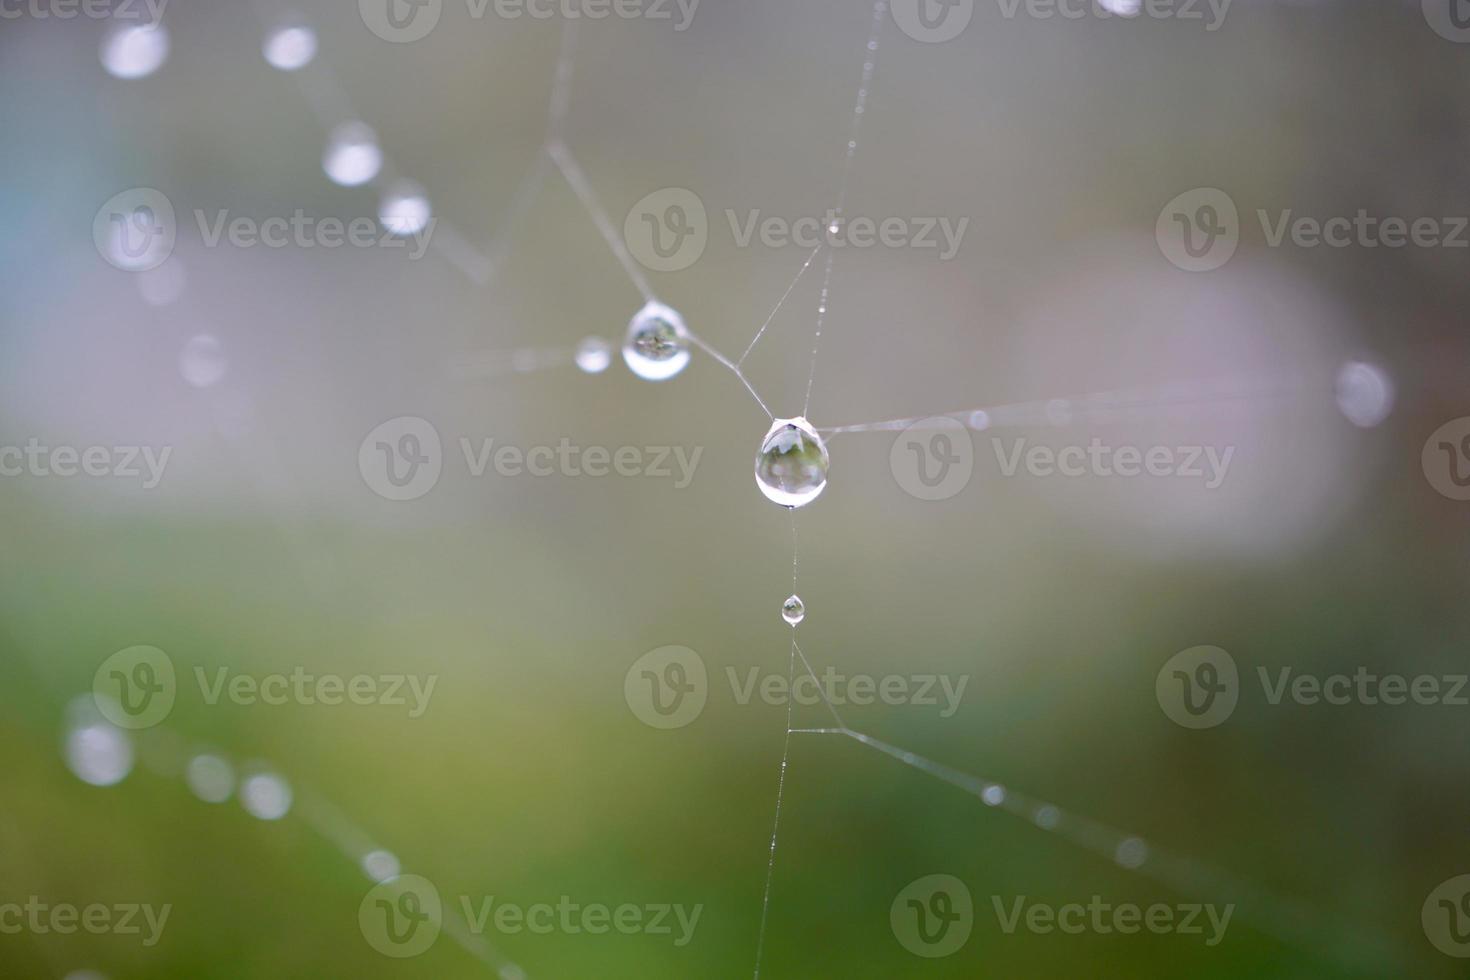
1364,394
405,209
135,50
265,796
381,865
353,156
210,778
202,362
290,46
594,355
97,751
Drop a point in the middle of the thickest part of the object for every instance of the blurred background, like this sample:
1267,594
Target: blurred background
264,549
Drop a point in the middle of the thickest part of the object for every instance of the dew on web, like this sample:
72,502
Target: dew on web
134,51
657,345
594,355
792,463
1365,394
352,157
381,865
265,796
405,210
210,778
793,610
99,753
290,46
202,362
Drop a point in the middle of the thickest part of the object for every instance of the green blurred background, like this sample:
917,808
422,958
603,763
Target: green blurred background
529,778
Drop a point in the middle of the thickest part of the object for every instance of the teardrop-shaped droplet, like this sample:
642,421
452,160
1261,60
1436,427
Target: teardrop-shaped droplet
791,467
657,346
793,610
594,355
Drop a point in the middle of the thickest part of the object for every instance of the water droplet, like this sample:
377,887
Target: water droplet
135,51
405,209
202,362
793,610
1364,394
210,778
381,866
265,796
993,795
594,355
290,46
979,420
1131,853
352,156
791,467
99,753
657,346
1047,817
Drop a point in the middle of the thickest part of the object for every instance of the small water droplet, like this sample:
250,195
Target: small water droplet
381,865
594,355
290,46
791,467
979,420
266,796
352,156
210,778
793,610
135,51
202,362
404,209
1364,394
657,346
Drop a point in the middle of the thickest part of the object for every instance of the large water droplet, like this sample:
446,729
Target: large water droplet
793,610
791,467
352,156
1364,394
405,209
290,46
594,355
657,346
135,51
